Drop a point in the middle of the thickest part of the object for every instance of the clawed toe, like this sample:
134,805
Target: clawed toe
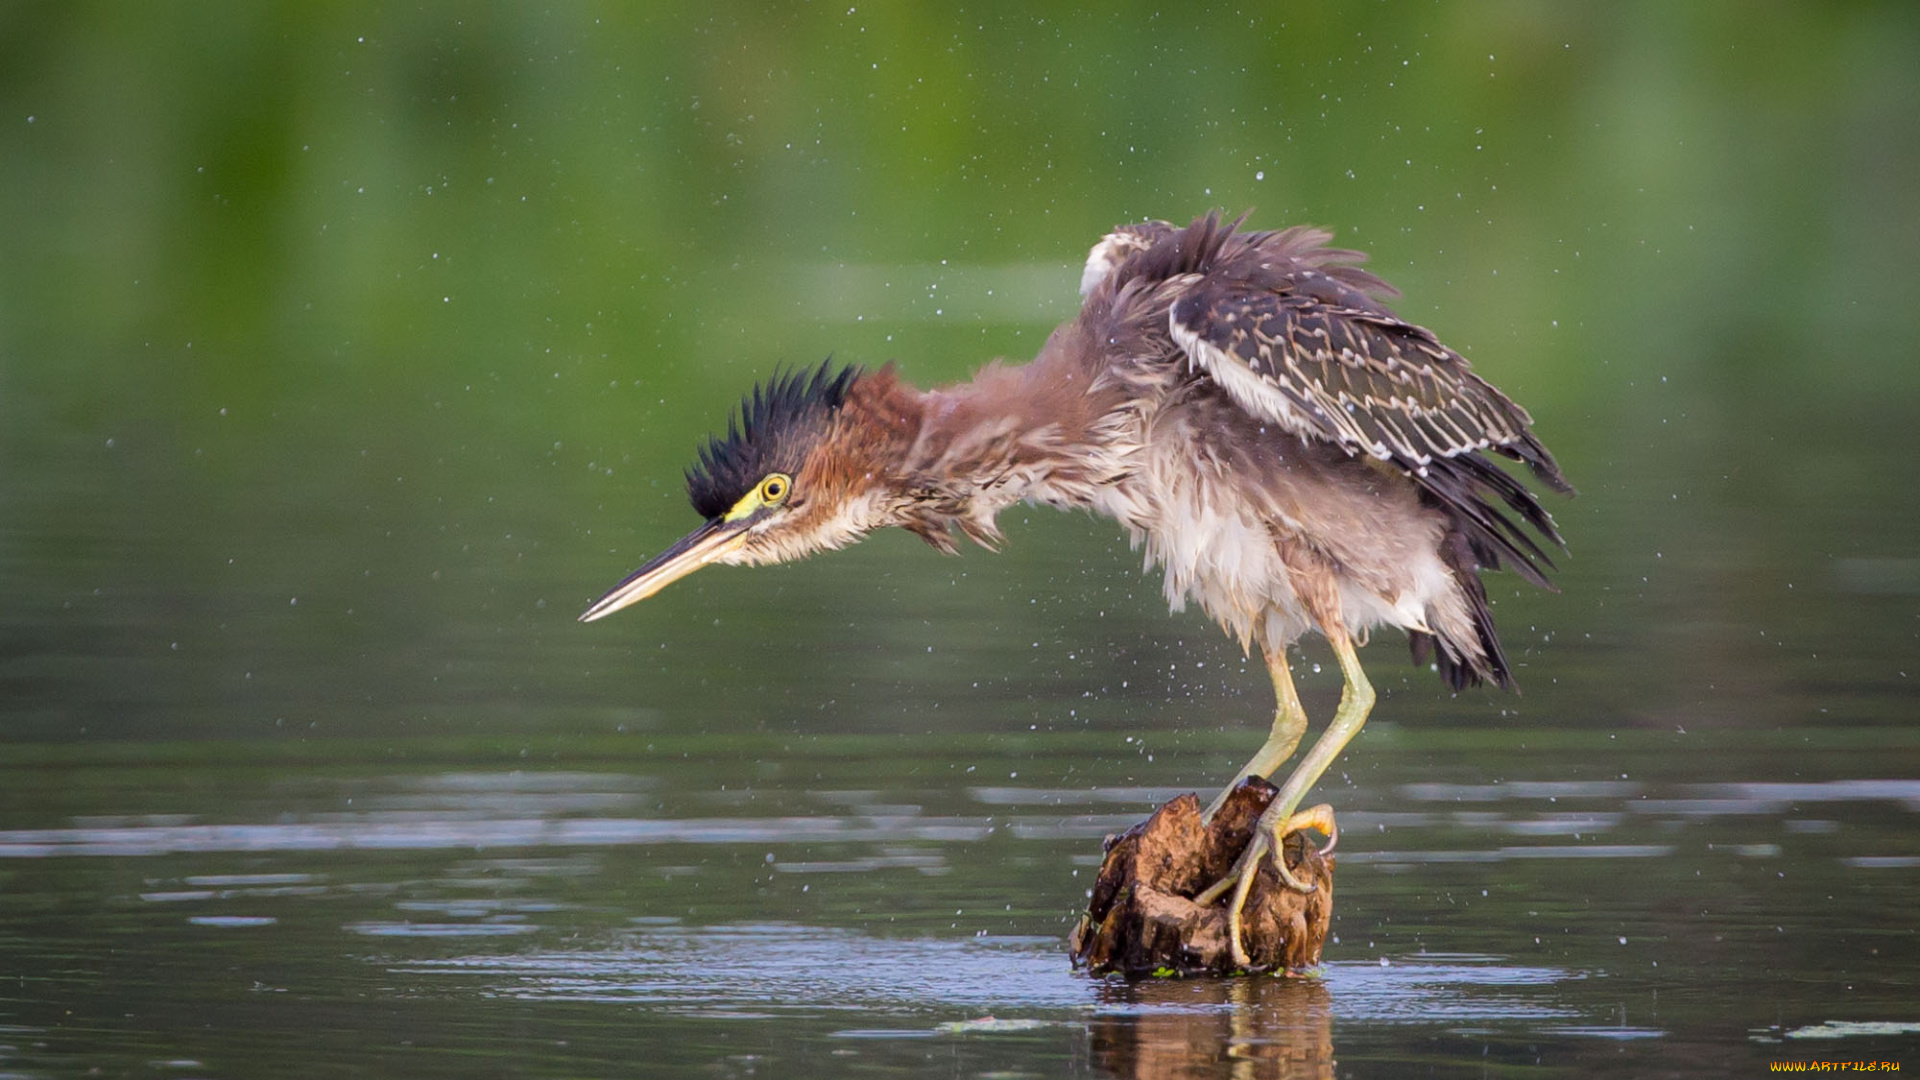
1267,841
1320,820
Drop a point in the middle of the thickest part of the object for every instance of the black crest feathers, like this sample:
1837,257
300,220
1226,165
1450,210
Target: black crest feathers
778,424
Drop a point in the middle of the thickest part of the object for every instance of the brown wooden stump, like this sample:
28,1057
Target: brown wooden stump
1141,918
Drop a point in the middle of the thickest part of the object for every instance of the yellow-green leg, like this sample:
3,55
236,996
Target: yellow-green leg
1289,724
1356,701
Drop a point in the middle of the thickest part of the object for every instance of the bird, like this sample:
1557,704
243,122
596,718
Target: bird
1292,455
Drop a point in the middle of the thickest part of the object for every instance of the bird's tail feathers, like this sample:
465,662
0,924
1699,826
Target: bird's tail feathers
1475,657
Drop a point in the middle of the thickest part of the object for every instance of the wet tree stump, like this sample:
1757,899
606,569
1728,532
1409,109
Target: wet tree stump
1141,918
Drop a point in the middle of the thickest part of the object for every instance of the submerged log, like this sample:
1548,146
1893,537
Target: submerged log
1141,918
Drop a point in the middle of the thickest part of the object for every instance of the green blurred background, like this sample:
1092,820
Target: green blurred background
347,350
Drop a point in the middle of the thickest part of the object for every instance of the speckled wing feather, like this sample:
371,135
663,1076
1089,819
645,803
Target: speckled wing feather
1293,333
1357,377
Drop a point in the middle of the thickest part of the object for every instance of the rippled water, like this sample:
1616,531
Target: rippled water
1676,916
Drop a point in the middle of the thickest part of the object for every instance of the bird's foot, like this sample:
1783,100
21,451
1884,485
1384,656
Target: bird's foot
1268,835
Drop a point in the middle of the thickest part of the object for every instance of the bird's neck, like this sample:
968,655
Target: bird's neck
1036,433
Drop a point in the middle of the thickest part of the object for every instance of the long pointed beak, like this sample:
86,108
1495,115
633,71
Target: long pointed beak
691,552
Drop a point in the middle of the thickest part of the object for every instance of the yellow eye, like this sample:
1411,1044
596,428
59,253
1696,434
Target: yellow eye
774,487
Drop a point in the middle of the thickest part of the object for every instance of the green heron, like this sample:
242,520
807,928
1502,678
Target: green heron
1292,454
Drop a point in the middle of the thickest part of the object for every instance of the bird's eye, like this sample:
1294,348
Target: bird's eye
774,487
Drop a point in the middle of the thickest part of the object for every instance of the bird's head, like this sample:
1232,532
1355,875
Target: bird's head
800,470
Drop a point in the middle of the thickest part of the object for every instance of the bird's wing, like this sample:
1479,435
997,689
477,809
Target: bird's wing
1297,350
1117,247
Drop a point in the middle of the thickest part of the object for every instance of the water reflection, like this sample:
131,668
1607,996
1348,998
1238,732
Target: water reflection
977,990
565,809
1280,1029
784,968
851,918
804,969
415,831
